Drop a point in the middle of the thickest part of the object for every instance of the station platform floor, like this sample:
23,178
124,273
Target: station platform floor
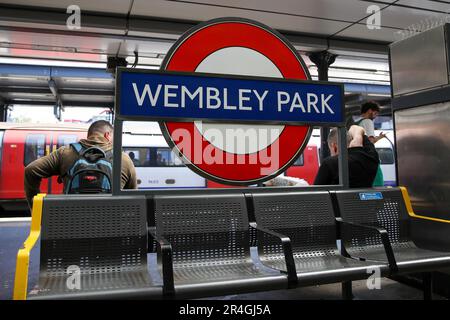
389,290
14,231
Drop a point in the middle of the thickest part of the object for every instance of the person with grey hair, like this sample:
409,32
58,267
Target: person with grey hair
363,160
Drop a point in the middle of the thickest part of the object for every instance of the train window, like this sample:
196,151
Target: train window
139,156
299,161
386,155
152,157
66,139
34,148
166,158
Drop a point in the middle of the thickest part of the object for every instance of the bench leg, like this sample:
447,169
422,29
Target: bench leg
427,285
347,293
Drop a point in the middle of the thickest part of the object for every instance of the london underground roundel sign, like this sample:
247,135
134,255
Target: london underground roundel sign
239,153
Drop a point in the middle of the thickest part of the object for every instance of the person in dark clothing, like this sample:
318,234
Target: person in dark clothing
363,160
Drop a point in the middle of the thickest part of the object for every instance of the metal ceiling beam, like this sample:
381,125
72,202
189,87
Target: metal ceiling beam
32,90
54,89
50,103
28,70
46,90
54,20
358,48
385,102
352,98
52,17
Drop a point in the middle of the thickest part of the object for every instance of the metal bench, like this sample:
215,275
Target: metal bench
203,243
101,238
209,241
388,210
308,219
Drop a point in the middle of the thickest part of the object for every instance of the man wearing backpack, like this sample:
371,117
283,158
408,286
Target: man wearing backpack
84,167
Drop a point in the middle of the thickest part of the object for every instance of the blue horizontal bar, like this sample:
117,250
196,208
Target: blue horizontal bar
24,70
367,88
70,72
47,71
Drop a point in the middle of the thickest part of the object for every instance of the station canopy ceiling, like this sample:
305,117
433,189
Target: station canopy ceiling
36,29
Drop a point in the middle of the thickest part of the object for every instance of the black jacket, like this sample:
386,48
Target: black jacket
362,165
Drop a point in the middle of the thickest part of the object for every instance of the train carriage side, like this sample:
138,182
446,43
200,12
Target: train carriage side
19,146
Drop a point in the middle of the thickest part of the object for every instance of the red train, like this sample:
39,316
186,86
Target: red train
307,165
20,144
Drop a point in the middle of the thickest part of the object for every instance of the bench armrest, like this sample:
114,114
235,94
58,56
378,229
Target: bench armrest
287,250
164,249
23,255
384,238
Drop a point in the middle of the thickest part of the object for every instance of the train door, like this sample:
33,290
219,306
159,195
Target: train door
2,133
11,178
37,144
20,148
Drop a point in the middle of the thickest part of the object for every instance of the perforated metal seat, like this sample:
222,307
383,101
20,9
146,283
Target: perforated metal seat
209,236
386,210
103,237
307,218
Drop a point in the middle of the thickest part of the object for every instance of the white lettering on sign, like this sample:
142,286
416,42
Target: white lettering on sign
140,98
243,98
225,101
212,97
312,101
168,95
283,98
297,103
185,91
260,98
324,103
175,96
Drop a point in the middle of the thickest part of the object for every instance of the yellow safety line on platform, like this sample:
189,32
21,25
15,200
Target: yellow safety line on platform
23,256
411,211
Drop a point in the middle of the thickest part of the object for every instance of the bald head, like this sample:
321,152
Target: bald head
333,141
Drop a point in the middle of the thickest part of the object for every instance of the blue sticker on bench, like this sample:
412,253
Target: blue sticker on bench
370,196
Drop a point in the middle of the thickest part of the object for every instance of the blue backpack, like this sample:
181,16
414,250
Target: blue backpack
91,172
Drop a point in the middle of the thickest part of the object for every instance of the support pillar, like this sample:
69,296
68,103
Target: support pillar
427,281
3,112
347,292
323,59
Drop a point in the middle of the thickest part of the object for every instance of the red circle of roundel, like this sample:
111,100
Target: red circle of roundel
192,49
